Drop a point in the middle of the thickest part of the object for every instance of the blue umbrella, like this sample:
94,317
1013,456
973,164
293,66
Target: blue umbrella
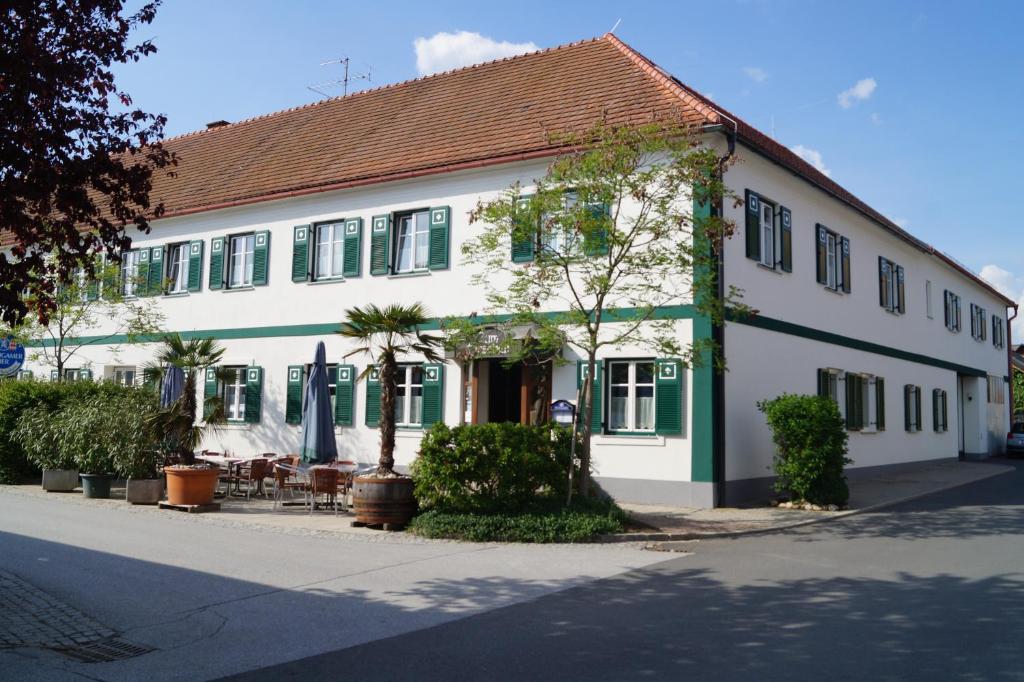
318,444
172,386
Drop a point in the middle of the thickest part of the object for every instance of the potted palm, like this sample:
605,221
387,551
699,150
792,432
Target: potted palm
188,483
385,335
36,432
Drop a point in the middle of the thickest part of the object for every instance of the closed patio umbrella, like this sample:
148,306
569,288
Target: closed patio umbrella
172,386
318,444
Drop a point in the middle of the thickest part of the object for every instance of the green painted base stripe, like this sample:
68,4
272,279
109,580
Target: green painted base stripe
771,324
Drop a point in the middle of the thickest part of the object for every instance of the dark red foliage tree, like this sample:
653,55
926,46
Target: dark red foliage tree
76,160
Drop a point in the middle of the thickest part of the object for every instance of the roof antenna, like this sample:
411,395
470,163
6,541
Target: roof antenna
344,81
617,22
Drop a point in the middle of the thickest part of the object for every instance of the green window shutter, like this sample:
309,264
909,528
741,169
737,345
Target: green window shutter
821,253
917,406
668,397
936,422
373,397
907,421
253,394
353,247
301,239
53,375
155,284
261,258
753,203
344,396
596,393
293,395
218,245
195,265
851,403
845,254
523,238
945,413
901,296
433,394
142,283
974,318
786,238
595,242
440,227
823,383
880,403
209,390
380,230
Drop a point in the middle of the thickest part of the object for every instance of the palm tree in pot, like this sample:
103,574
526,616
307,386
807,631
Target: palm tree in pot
386,335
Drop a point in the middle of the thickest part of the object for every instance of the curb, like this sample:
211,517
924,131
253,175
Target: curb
831,516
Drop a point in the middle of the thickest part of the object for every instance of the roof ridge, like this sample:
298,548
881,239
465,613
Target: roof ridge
381,88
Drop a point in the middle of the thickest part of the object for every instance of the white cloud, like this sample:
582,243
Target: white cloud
1004,281
813,157
861,90
444,51
755,74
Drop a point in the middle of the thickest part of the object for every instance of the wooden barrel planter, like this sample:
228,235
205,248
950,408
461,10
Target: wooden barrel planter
387,502
190,487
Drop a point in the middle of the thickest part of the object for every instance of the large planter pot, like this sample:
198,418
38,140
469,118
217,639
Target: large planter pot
96,486
144,490
379,501
60,480
190,486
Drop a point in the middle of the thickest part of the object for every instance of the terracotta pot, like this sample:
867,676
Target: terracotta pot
144,490
378,501
191,486
60,480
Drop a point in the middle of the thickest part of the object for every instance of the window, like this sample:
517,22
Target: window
767,233
124,376
998,332
240,263
939,411
332,381
233,393
330,248
912,408
862,398
951,306
890,286
928,298
833,259
631,396
828,383
71,374
412,242
830,263
979,323
409,398
177,268
996,395
129,272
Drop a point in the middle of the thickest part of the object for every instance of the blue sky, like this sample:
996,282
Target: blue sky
929,137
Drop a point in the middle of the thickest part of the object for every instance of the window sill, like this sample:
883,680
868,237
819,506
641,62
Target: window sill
629,439
235,426
228,290
408,431
777,271
176,294
414,273
325,280
838,292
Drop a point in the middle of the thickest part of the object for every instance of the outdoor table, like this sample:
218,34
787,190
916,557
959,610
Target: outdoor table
223,462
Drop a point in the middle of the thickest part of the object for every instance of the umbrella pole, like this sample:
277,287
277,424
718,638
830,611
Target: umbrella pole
572,449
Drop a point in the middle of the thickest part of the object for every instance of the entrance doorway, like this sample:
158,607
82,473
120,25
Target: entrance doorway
518,392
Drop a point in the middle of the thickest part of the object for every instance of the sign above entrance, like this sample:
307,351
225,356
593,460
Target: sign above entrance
12,356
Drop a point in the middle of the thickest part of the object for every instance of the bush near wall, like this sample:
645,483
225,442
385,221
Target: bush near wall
17,396
810,438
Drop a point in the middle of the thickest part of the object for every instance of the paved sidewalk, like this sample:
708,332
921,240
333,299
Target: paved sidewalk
866,494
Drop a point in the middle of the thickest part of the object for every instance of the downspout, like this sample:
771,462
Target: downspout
1009,356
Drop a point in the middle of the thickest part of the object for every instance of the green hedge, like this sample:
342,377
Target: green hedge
16,396
491,468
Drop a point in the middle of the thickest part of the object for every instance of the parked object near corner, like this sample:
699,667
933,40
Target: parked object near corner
144,490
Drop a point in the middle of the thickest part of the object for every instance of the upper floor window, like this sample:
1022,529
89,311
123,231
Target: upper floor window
890,286
240,260
409,397
979,323
631,396
951,305
330,246
233,393
833,260
928,298
769,233
177,268
129,273
998,332
412,242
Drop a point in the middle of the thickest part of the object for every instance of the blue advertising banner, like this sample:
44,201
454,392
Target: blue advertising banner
12,356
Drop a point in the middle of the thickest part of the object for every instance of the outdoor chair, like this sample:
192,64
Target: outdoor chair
289,478
252,474
345,479
323,481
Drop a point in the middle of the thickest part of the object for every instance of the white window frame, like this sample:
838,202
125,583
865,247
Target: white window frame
233,392
928,298
632,396
980,323
177,255
416,220
952,301
71,373
335,256
767,234
832,256
555,241
888,285
129,273
869,404
241,252
119,374
405,400
912,405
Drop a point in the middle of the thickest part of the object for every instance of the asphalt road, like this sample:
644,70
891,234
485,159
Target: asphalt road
930,590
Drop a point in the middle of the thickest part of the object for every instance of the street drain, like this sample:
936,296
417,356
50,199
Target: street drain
106,651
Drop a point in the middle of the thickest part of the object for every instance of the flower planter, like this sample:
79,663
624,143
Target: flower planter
60,480
188,487
96,486
144,490
379,501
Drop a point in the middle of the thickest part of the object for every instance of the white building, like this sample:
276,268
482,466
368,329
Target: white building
275,225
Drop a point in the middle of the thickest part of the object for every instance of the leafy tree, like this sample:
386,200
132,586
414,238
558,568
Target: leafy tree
606,239
1018,392
82,307
76,160
386,334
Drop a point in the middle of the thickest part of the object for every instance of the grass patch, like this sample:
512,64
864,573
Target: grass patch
544,522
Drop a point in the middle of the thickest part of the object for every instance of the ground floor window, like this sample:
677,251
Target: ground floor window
409,397
233,393
124,376
939,411
71,374
631,395
912,407
332,382
995,390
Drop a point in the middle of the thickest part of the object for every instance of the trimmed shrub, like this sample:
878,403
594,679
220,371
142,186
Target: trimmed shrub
490,468
810,438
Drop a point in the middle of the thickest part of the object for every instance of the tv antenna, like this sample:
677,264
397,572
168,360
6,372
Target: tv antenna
343,82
